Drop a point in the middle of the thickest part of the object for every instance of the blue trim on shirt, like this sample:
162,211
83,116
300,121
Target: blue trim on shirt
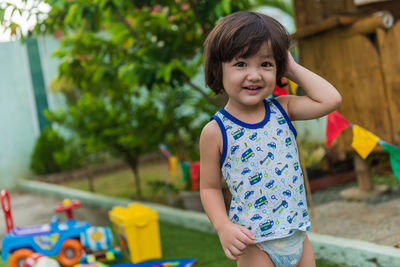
224,138
278,105
248,125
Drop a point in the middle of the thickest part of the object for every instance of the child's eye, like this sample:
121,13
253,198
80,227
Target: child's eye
240,64
266,64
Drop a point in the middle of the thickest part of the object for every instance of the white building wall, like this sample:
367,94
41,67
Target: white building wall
19,126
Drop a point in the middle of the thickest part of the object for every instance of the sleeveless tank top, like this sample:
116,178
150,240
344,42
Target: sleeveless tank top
260,165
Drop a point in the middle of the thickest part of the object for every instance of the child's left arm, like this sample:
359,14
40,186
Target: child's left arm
321,99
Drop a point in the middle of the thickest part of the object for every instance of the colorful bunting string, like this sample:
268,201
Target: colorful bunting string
189,170
194,174
164,151
394,156
185,171
173,162
279,91
336,123
293,87
363,140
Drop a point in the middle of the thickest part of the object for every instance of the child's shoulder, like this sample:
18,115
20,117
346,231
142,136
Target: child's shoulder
210,129
211,133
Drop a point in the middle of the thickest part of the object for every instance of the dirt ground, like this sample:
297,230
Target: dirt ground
376,220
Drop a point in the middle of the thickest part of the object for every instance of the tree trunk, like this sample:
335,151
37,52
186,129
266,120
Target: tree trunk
90,179
137,182
364,178
133,163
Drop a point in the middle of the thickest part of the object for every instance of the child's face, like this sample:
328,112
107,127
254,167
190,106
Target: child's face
247,81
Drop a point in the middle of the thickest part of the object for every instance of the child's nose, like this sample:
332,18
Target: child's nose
254,75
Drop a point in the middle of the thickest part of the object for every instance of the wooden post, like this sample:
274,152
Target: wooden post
363,174
369,24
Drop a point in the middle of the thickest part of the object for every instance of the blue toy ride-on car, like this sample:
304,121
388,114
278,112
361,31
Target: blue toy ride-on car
61,239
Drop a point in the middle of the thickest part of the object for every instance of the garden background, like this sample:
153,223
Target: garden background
97,87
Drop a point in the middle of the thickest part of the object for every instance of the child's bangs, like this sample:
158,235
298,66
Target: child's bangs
251,49
248,41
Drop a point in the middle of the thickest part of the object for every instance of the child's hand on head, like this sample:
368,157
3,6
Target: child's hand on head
290,65
234,240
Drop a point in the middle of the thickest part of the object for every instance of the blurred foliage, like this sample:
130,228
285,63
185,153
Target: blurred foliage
127,69
67,88
381,170
162,187
313,153
388,179
52,153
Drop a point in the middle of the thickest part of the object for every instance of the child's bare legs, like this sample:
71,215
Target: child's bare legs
307,257
254,257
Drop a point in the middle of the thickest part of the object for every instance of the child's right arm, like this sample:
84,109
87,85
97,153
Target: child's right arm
234,238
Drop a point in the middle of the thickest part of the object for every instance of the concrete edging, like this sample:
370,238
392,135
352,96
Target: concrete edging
353,252
334,249
185,218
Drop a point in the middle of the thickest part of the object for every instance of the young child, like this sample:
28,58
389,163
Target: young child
251,142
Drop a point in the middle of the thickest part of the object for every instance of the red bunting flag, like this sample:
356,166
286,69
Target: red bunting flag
194,174
280,91
335,125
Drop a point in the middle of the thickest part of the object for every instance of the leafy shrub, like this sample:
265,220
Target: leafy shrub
162,187
52,153
71,156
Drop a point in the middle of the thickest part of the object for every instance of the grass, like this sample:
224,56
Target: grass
389,179
178,242
121,183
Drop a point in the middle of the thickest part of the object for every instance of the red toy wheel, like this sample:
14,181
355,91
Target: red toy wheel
18,257
70,252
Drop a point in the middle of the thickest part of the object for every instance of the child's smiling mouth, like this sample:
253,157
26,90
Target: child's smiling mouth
252,88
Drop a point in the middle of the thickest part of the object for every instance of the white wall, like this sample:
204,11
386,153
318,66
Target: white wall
18,118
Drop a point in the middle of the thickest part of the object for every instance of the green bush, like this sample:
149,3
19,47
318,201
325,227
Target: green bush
52,153
71,156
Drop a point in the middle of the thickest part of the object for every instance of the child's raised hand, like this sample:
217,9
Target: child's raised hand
290,65
234,240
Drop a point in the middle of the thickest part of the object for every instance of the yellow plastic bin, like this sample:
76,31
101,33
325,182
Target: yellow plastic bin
138,232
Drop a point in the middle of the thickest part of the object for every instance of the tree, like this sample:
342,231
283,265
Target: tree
121,127
130,66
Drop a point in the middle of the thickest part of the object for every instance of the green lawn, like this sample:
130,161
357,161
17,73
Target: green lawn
178,242
121,183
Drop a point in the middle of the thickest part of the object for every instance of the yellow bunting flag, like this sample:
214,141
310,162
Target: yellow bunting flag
173,162
363,141
293,87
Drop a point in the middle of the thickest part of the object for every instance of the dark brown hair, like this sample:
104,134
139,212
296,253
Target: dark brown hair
241,34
